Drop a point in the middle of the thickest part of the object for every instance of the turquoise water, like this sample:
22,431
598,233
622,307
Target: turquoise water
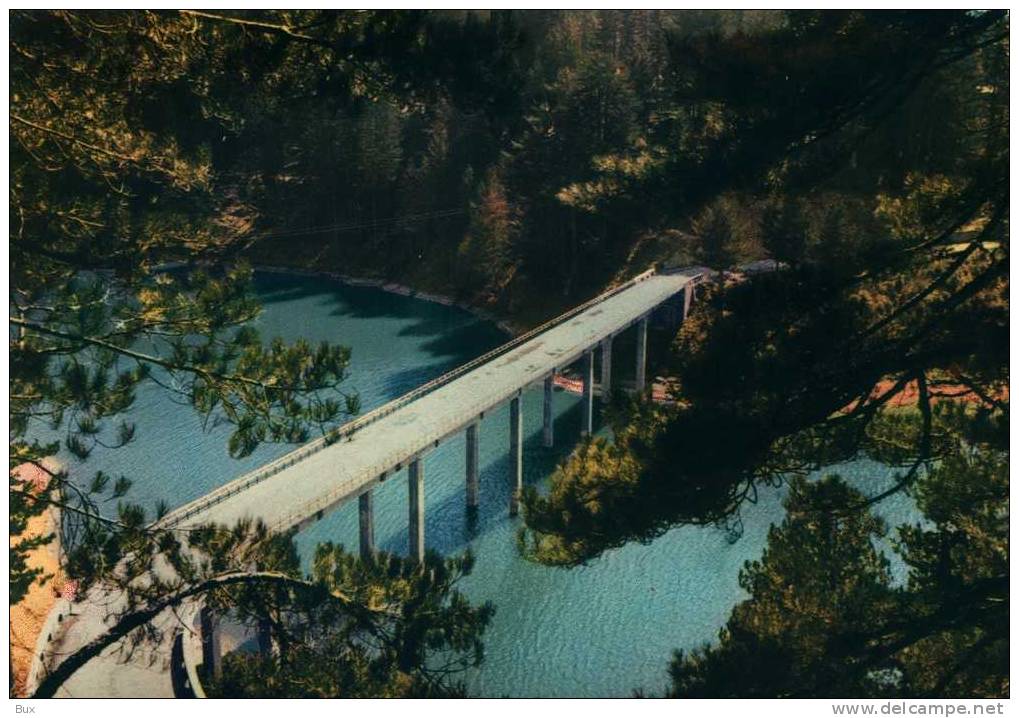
605,629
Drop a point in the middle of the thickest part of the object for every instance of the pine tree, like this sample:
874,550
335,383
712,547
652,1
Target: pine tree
784,232
715,241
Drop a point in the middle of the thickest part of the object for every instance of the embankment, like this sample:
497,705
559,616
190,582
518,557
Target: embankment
28,616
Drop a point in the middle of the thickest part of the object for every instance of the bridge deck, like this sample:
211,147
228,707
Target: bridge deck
341,471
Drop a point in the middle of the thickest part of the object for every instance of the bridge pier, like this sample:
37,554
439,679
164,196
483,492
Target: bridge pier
473,489
640,378
416,522
366,521
211,653
548,434
606,369
516,454
587,427
687,298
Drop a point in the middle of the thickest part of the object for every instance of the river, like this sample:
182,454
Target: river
605,629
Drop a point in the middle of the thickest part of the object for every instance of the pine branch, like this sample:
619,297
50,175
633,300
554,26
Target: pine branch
136,619
152,359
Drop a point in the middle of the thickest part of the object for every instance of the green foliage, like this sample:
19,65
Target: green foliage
784,231
793,370
819,582
825,619
131,198
385,627
527,159
894,297
107,188
959,566
586,490
486,250
715,240
498,170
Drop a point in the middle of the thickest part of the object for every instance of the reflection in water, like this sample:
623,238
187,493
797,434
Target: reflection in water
599,630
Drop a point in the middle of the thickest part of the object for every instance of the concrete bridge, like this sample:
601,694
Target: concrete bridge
304,485
301,487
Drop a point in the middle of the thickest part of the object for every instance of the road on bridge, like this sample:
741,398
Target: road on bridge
341,471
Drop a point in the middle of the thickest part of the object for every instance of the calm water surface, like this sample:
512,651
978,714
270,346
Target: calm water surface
605,629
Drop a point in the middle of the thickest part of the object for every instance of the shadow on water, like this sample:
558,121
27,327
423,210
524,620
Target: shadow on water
497,485
447,338
398,383
447,329
276,288
347,299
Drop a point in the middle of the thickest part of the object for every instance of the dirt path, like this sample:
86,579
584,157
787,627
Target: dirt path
27,618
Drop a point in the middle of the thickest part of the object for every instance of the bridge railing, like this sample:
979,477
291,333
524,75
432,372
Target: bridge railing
345,491
351,427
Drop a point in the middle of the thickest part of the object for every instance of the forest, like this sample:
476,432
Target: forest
522,162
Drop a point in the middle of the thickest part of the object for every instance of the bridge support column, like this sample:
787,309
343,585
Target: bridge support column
473,489
366,520
640,378
416,496
687,298
587,427
516,454
606,369
549,429
211,656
